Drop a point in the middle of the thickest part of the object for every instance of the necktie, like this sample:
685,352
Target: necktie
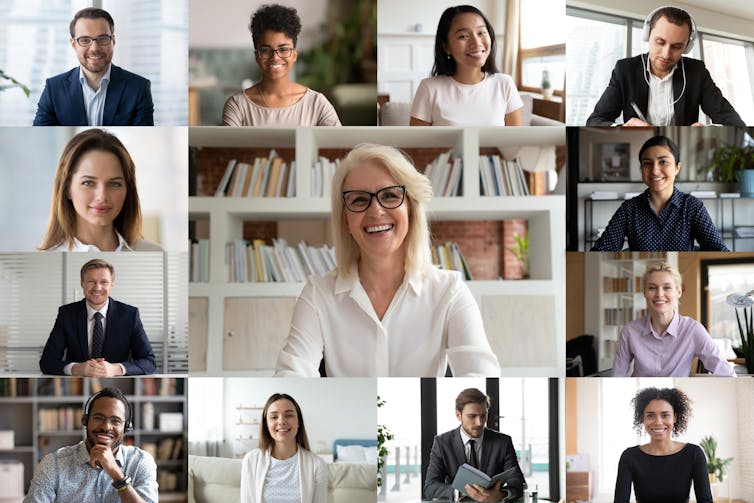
98,336
472,453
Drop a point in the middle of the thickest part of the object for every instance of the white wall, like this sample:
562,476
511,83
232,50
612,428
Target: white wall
332,408
225,25
720,19
394,18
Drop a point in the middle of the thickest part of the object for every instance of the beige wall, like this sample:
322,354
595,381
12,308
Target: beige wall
574,294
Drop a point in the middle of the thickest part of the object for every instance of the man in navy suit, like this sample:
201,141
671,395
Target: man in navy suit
97,93
488,450
97,336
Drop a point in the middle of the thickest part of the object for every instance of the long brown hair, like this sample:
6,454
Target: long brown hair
265,439
62,222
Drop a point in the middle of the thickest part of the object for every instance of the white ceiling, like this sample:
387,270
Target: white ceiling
741,9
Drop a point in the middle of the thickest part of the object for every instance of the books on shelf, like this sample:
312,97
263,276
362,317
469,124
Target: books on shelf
267,176
500,177
323,171
59,386
14,387
258,262
444,175
621,315
199,261
59,419
616,285
449,257
161,386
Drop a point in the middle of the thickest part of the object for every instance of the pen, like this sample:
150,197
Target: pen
638,112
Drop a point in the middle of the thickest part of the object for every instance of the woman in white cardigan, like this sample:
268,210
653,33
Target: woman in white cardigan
283,469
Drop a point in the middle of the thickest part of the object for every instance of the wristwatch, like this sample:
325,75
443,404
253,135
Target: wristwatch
123,484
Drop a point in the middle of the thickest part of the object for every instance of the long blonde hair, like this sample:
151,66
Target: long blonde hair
62,222
418,194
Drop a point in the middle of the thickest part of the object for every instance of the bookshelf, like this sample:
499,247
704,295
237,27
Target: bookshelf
216,334
45,414
614,295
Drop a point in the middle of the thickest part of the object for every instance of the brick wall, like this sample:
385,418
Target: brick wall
212,161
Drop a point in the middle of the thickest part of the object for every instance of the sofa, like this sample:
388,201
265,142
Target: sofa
213,480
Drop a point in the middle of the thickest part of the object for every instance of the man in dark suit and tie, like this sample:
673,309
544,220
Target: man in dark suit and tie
97,93
488,450
97,336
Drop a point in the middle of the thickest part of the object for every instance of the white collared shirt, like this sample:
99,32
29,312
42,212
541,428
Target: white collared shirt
94,101
90,331
78,246
432,320
477,445
660,109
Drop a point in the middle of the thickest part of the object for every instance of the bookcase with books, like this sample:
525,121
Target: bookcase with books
614,295
238,324
44,414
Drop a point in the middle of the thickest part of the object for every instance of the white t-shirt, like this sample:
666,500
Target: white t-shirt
443,101
282,482
431,320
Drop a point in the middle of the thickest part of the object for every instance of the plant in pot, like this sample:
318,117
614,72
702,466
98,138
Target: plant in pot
546,85
716,467
745,329
734,164
521,251
383,436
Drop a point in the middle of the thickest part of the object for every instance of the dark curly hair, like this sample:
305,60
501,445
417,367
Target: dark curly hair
445,65
675,397
277,18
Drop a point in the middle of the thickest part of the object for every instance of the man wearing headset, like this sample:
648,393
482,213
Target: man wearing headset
98,468
663,88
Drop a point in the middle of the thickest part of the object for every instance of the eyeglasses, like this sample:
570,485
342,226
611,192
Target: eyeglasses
389,198
267,52
101,40
100,418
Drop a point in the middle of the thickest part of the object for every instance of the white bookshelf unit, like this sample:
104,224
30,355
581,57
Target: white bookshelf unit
614,295
526,342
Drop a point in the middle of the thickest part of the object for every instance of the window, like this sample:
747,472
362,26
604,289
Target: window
542,46
721,278
731,64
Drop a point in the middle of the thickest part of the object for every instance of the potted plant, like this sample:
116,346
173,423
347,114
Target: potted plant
746,332
546,86
716,467
13,83
733,163
521,251
383,436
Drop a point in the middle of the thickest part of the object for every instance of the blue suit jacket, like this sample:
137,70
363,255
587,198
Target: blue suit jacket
128,101
448,454
125,339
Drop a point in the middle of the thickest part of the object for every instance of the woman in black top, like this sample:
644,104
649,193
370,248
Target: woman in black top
662,470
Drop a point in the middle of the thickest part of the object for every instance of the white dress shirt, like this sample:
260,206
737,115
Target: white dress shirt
78,246
94,101
660,109
90,333
467,452
432,319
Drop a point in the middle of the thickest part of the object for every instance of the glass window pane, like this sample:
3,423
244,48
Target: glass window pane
532,68
728,64
592,48
542,23
723,281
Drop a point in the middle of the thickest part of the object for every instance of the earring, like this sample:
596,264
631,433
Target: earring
447,56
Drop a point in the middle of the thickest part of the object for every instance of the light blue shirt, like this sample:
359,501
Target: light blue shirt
66,475
94,101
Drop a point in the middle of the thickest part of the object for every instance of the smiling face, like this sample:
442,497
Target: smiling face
96,285
94,58
666,44
468,40
282,421
106,423
473,418
659,419
97,189
378,232
659,169
662,293
274,66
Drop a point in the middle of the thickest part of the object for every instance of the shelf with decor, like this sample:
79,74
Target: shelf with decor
237,328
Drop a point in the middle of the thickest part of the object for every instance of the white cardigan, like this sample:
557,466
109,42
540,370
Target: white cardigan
312,482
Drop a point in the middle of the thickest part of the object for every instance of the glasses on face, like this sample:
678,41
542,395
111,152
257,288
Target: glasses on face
389,198
267,52
101,40
100,418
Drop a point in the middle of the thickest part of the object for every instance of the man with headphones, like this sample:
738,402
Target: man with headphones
98,468
661,87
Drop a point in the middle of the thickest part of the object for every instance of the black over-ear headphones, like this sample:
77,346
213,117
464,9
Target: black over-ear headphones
110,393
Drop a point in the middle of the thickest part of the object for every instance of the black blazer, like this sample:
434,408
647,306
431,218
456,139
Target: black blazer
627,84
128,101
125,339
448,454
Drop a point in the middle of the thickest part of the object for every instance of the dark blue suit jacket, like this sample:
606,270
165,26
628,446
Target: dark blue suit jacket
125,339
128,101
448,454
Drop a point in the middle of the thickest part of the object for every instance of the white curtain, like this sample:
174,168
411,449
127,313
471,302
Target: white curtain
510,43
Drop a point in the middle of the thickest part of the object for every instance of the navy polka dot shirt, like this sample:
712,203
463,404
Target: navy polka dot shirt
683,220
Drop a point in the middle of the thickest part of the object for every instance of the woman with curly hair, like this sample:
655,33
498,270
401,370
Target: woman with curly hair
277,100
662,470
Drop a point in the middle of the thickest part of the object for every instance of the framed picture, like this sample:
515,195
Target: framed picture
612,162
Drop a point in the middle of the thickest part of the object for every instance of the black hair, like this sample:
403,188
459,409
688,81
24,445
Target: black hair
277,18
445,64
674,15
663,141
91,13
675,397
108,393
